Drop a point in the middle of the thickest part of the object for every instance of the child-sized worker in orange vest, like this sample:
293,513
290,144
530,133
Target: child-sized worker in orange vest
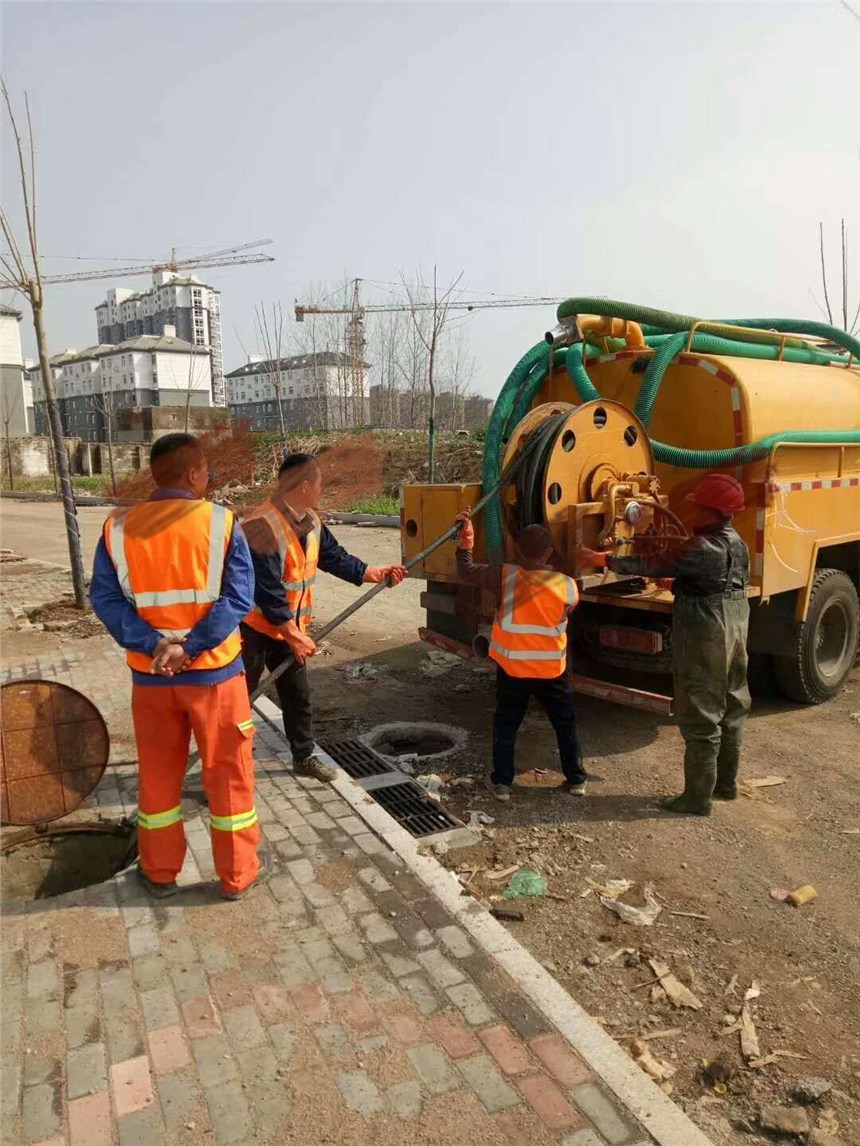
529,645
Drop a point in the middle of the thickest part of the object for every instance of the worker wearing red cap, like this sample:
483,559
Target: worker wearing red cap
709,639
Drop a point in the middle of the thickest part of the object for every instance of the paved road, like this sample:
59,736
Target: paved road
35,529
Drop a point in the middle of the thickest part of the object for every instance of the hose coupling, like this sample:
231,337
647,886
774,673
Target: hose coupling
566,333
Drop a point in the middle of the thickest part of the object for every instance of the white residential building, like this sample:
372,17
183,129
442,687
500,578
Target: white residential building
314,389
184,302
16,393
149,370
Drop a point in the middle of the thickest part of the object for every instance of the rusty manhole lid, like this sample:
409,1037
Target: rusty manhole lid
55,748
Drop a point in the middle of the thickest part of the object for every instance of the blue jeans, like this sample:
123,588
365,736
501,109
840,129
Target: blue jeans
512,700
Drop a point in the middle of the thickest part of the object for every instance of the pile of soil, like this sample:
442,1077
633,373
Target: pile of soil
64,617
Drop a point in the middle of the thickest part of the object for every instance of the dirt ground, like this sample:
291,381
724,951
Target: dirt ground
804,961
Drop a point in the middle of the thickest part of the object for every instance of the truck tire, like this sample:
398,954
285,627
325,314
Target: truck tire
826,643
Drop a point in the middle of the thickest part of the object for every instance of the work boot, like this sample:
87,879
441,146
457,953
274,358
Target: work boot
699,777
157,890
263,876
502,792
727,769
684,805
313,766
729,792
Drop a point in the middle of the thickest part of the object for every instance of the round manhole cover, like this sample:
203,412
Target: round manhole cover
55,748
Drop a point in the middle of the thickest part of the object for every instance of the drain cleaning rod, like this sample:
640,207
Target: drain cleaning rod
337,621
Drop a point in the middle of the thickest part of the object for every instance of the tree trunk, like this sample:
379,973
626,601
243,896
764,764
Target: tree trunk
61,461
431,421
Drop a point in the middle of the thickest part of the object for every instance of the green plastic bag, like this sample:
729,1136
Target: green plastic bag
525,882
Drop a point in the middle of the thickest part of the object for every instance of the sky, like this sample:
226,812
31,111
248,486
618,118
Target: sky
676,155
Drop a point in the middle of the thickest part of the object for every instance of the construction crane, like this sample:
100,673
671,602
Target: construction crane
227,257
355,341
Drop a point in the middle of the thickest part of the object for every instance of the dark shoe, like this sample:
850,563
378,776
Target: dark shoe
502,792
727,793
312,766
684,806
157,890
263,876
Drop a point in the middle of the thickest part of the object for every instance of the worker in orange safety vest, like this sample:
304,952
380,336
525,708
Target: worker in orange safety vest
529,644
289,544
172,579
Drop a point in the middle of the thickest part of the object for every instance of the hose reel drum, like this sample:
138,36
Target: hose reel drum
590,478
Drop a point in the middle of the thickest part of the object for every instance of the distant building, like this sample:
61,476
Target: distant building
16,394
148,370
315,393
183,302
405,409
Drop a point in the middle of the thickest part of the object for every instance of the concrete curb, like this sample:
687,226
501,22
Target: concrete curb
664,1121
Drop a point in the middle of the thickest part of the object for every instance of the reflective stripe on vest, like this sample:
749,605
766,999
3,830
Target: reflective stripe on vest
529,637
151,822
233,823
506,613
298,564
169,556
215,573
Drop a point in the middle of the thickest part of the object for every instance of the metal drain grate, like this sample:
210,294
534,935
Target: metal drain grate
356,759
412,810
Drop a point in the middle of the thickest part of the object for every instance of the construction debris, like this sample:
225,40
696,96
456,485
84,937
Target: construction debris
638,916
784,1120
525,882
763,781
750,1048
679,995
811,1088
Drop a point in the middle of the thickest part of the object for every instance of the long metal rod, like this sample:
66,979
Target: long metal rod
337,621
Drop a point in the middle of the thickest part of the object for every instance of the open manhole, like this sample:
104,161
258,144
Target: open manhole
55,748
422,745
37,865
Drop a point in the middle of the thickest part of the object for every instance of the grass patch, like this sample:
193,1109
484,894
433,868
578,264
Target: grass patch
98,485
386,506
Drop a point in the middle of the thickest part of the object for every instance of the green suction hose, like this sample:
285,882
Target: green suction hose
666,333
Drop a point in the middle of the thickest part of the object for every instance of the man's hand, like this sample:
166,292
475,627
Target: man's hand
466,536
583,558
301,645
394,574
169,658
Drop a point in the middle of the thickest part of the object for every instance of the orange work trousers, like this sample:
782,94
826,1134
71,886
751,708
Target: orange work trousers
219,715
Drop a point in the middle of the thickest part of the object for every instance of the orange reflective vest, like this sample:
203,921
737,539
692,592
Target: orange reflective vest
529,637
299,565
169,558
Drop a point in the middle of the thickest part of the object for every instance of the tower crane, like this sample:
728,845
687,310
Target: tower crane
356,311
227,257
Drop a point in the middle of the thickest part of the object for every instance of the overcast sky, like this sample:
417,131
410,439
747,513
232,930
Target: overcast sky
678,155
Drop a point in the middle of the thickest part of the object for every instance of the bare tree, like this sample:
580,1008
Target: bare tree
189,389
28,280
9,404
430,335
104,404
849,328
270,340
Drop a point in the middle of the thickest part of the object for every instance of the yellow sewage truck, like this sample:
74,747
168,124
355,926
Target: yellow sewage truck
622,409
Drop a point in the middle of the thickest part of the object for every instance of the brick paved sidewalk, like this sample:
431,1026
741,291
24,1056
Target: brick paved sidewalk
340,1004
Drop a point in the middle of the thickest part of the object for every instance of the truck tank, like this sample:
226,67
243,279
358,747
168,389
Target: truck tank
631,406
